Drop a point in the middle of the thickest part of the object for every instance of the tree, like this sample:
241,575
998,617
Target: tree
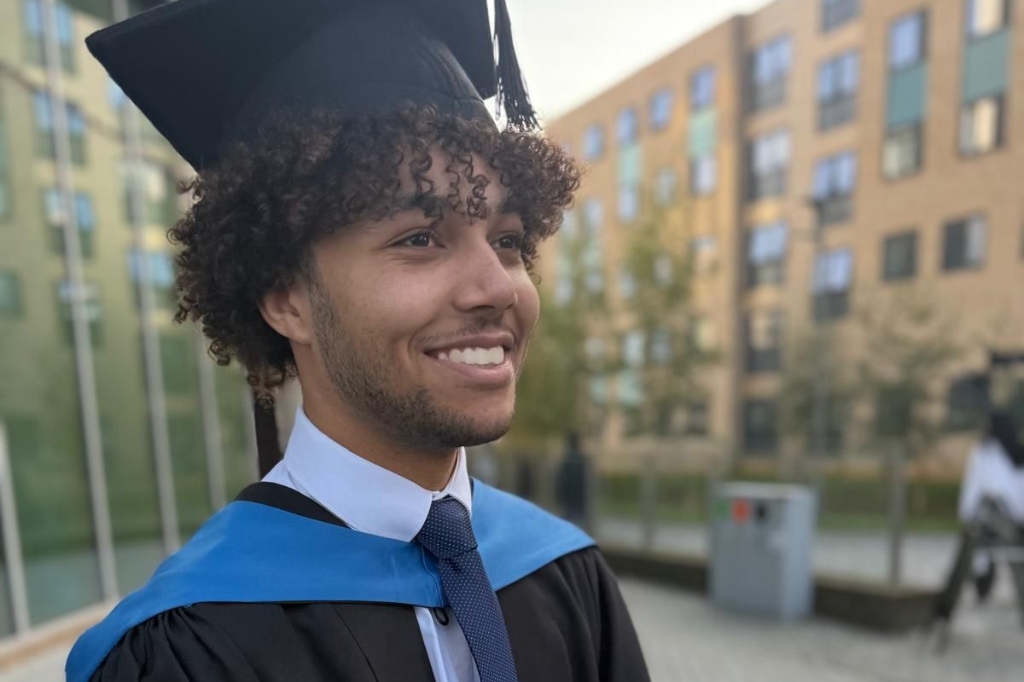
554,392
657,370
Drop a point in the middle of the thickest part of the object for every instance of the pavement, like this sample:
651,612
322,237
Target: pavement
687,639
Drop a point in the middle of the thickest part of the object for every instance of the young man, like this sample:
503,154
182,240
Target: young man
361,221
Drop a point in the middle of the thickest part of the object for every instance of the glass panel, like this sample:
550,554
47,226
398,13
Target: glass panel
986,66
128,444
661,109
703,133
630,164
191,483
593,142
985,16
628,126
50,479
906,45
232,398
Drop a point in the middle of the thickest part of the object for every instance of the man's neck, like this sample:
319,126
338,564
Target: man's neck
430,470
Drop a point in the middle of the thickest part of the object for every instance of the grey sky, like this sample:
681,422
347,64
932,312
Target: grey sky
571,50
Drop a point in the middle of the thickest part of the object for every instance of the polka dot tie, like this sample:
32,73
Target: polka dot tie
448,536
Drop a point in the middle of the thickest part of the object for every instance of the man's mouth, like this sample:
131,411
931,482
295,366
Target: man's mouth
480,357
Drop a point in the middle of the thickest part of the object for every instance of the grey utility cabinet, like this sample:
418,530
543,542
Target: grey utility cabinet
762,538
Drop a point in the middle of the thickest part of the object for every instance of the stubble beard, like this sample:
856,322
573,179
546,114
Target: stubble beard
364,379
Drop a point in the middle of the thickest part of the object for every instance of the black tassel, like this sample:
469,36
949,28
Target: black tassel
511,89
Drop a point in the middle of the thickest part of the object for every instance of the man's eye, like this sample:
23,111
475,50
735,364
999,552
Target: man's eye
420,240
510,241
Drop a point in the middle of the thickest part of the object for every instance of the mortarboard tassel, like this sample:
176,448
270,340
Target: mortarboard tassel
511,88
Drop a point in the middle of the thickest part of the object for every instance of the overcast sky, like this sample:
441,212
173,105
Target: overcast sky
571,50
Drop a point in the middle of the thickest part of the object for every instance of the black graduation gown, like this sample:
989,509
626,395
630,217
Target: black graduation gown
567,622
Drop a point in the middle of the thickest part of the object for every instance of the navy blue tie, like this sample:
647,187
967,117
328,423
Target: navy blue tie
448,536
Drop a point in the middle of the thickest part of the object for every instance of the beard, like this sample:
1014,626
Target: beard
365,378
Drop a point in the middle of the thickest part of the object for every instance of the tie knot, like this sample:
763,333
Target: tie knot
447,532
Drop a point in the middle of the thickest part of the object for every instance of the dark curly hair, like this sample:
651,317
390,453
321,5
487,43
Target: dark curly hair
258,212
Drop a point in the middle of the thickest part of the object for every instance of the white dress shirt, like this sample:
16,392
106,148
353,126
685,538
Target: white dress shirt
371,499
989,472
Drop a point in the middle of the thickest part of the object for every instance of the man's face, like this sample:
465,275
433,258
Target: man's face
421,324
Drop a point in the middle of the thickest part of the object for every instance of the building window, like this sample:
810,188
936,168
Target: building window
764,331
35,50
43,106
834,182
967,402
629,202
10,294
835,13
661,347
838,81
964,243
90,296
628,126
593,142
698,419
760,426
704,252
660,109
702,89
986,16
769,70
85,219
981,125
665,186
157,202
907,41
766,254
899,257
769,165
160,270
633,348
901,154
703,174
830,288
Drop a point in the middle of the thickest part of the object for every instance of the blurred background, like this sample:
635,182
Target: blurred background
797,258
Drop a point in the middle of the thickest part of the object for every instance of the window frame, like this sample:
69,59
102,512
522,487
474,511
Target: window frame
890,276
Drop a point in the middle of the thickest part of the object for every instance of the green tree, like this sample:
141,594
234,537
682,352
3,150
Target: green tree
658,375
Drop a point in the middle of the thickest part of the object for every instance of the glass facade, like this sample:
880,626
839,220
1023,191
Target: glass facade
105,425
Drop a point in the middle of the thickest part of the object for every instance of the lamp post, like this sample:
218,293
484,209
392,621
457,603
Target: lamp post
819,433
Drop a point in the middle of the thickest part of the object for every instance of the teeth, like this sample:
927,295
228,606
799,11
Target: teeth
474,356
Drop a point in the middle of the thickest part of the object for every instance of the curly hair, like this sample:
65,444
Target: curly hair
258,212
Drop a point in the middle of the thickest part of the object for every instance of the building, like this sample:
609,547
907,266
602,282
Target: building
891,125
119,435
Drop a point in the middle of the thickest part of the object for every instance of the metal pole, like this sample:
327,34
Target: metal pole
211,426
79,315
821,416
649,502
13,556
150,341
897,512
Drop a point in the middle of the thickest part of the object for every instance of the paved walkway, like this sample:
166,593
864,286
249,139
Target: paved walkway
687,639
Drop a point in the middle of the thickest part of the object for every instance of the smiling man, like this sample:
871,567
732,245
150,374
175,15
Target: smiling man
362,223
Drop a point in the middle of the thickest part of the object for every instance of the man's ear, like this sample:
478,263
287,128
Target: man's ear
288,313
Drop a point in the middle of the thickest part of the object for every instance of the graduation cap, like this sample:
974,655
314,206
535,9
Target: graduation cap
208,72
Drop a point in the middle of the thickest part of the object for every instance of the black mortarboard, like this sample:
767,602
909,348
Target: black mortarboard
207,72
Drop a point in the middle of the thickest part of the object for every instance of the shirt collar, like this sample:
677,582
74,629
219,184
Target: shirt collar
367,497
